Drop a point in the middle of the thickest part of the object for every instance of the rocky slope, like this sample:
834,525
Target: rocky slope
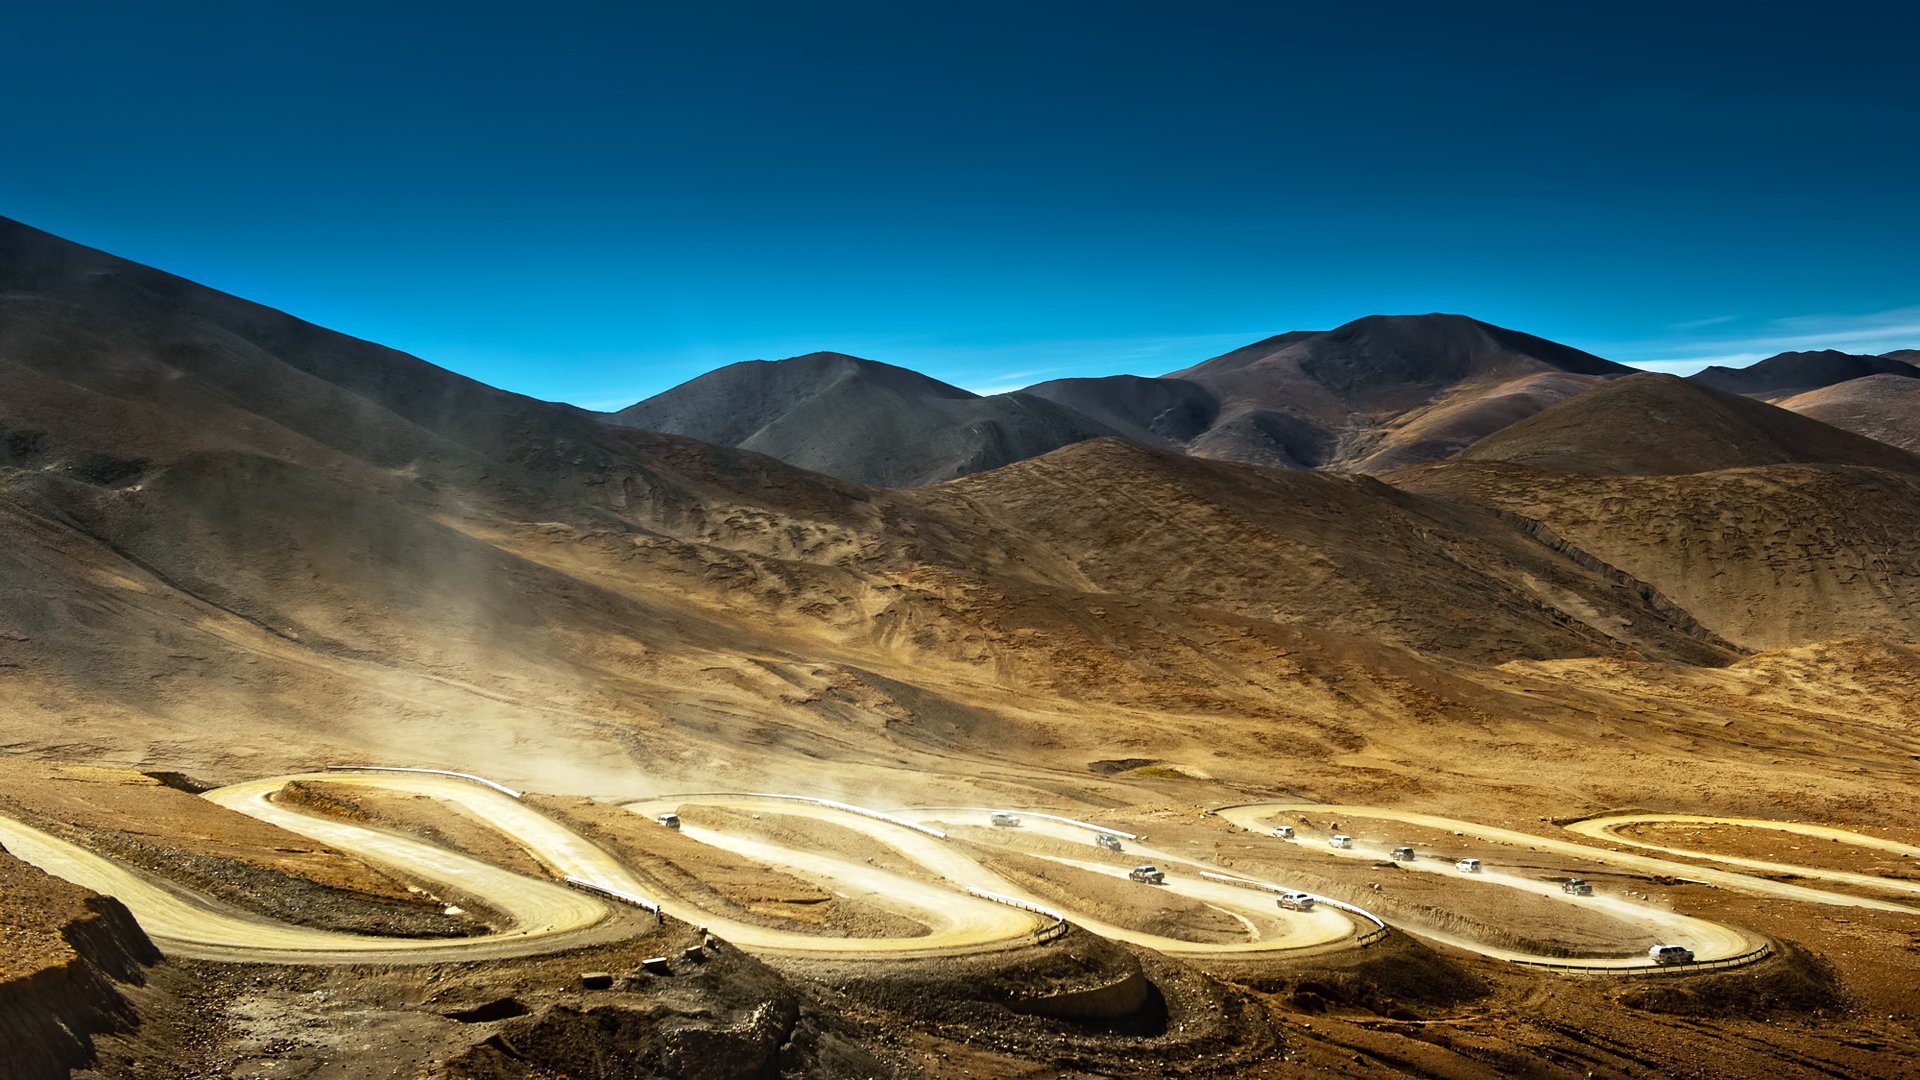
66,959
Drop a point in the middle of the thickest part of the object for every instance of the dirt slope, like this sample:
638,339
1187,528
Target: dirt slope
1765,557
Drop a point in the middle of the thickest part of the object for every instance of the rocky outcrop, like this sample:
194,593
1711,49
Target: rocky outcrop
66,957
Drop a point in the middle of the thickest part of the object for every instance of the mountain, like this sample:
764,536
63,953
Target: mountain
1660,424
859,420
1797,372
1883,407
1377,392
210,510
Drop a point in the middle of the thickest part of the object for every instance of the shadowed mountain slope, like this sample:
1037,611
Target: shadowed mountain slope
859,420
1659,424
1796,372
1367,396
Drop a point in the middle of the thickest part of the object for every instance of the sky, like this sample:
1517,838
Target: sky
593,202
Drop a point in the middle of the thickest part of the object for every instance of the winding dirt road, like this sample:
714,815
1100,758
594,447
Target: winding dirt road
944,891
1269,929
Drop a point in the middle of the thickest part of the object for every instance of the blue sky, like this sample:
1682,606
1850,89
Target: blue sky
592,202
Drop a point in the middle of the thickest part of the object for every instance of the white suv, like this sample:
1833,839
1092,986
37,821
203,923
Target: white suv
1670,954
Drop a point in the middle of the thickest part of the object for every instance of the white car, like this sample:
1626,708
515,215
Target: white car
1670,954
1284,832
1005,820
1295,901
1340,840
1468,866
671,821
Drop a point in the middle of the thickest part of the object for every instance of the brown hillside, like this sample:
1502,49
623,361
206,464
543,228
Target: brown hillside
1661,425
1767,558
1883,407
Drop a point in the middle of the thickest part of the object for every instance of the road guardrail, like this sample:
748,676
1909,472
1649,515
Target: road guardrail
1378,932
501,788
1040,936
601,890
1692,967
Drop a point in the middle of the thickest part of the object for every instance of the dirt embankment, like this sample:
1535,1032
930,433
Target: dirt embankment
437,821
719,881
66,955
1778,846
804,834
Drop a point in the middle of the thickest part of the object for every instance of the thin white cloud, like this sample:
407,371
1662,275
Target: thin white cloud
1870,332
1698,324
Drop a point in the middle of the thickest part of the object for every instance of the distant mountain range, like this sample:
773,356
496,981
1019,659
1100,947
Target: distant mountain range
1797,372
1373,395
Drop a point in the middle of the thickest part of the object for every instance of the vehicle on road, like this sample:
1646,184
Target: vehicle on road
1284,832
1295,901
1005,820
1108,841
1468,866
1670,954
1401,854
671,821
1148,873
1340,840
1576,887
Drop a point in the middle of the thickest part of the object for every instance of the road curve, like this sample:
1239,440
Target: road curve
953,870
543,916
1609,828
